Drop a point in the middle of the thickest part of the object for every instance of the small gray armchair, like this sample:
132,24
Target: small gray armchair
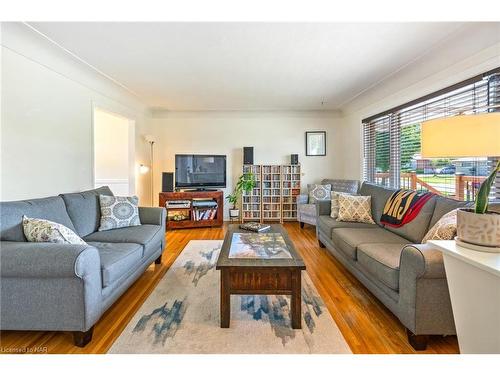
306,212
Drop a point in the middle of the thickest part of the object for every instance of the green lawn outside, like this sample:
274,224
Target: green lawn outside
436,179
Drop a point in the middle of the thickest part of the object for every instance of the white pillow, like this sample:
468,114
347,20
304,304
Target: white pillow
334,211
444,229
355,208
40,230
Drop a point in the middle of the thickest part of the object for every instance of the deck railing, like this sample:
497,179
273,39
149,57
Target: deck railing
465,187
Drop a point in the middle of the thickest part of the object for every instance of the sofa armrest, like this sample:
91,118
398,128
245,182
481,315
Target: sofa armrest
423,260
47,286
152,215
323,207
303,199
47,260
424,300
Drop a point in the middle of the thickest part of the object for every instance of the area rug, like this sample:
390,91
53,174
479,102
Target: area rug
182,315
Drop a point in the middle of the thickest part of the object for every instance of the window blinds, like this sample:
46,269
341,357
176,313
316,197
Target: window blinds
391,140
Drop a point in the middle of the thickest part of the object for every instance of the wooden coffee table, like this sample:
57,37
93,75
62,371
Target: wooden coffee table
268,272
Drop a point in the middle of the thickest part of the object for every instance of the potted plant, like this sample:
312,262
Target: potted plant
479,228
246,183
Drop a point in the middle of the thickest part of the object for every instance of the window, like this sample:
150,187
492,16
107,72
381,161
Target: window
391,141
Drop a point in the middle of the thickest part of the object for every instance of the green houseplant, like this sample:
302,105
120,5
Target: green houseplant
246,183
479,227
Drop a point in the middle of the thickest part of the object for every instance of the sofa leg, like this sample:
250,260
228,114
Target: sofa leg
321,244
81,339
158,260
418,342
301,224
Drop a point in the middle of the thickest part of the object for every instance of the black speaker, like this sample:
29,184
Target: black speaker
167,182
247,155
294,159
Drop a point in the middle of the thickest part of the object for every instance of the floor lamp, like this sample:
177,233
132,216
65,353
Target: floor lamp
151,140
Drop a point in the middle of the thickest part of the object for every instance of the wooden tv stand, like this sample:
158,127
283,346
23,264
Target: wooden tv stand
216,195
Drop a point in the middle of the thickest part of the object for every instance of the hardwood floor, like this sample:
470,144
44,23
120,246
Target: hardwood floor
366,324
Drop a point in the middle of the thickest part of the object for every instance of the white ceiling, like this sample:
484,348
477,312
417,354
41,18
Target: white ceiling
249,66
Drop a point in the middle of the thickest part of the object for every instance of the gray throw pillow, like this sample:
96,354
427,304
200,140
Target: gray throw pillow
118,212
319,192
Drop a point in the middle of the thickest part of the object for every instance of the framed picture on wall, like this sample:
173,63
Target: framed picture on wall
316,143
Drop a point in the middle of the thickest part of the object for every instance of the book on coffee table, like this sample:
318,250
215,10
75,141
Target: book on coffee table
255,227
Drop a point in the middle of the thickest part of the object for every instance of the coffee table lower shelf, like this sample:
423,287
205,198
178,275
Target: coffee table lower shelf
260,280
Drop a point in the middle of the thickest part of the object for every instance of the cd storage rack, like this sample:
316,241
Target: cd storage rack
274,197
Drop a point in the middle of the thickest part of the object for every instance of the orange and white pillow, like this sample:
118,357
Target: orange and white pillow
444,229
334,211
41,230
355,208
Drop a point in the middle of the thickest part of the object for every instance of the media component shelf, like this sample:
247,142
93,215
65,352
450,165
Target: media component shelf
193,209
274,197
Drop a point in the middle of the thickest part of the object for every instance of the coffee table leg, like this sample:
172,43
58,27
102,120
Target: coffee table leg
296,300
225,300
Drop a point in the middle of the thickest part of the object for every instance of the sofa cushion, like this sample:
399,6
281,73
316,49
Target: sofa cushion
11,215
348,239
147,235
326,225
381,260
117,259
379,196
416,229
84,209
443,206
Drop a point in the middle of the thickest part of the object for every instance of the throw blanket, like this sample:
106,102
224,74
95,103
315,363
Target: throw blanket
403,206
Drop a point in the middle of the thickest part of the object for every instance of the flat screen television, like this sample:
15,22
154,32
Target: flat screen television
200,171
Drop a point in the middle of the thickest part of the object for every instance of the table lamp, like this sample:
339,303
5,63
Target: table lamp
462,136
469,136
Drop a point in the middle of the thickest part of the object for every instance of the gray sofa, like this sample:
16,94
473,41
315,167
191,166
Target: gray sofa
306,212
62,287
406,276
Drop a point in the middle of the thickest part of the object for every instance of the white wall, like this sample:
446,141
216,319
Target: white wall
406,85
114,152
46,122
111,146
274,136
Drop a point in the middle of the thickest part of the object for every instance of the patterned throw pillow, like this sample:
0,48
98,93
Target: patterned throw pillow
118,212
444,229
355,208
334,212
40,230
319,192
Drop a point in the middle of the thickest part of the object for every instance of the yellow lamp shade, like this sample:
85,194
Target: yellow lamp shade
462,136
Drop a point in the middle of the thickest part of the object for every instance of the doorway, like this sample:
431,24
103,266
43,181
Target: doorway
114,152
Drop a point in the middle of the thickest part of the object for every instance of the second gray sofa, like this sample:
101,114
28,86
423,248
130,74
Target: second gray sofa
62,287
406,276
